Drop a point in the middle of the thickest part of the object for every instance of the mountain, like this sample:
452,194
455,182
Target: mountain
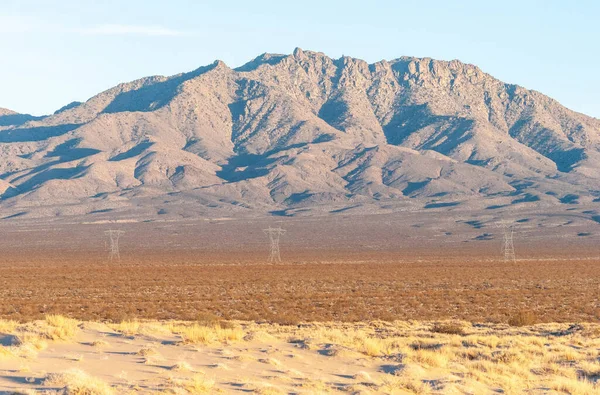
301,133
12,118
5,111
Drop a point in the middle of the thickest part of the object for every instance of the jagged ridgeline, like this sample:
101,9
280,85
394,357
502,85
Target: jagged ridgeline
297,134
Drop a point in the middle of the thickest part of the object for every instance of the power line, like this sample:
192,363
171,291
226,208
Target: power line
274,236
113,251
508,246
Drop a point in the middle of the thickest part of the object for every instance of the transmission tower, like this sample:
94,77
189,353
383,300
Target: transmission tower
508,247
274,236
113,250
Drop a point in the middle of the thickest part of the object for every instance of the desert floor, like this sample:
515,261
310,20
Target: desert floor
402,266
379,304
211,356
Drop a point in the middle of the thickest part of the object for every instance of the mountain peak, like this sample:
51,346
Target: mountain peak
219,64
298,52
303,133
68,107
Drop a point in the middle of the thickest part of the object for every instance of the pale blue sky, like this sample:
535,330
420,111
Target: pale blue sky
55,52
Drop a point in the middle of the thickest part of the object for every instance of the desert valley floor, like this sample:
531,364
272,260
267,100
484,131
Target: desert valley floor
430,293
444,265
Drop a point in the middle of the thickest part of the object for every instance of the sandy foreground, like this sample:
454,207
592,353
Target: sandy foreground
61,355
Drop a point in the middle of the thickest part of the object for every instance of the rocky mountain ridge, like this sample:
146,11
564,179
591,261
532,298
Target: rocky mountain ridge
298,134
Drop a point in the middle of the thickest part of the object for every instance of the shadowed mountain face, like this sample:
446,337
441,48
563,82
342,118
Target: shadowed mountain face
301,133
11,118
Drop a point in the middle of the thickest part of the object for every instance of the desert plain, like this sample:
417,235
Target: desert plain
389,303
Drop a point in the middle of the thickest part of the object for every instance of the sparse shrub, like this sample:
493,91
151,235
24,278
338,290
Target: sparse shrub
590,370
430,358
286,319
32,340
77,382
211,320
574,386
260,336
523,318
267,389
6,352
197,334
182,366
391,385
8,326
363,377
99,343
315,386
371,347
270,361
61,328
127,328
147,352
197,384
449,328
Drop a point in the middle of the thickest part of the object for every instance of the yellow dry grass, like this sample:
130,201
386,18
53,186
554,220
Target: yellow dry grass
420,357
197,384
496,357
127,328
8,326
77,382
182,366
200,334
6,352
60,327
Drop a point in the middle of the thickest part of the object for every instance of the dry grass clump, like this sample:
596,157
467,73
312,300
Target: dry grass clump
574,387
449,328
590,370
429,358
197,384
77,382
182,366
199,334
99,344
371,346
271,361
260,336
126,328
523,318
267,389
147,351
31,339
313,386
6,352
392,385
8,326
61,328
27,345
363,377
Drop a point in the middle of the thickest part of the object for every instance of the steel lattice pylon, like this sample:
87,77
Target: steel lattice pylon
508,246
113,250
274,236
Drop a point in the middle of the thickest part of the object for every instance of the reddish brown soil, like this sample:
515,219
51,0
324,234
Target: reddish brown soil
352,269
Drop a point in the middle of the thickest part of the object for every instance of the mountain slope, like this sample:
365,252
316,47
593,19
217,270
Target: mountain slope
299,133
11,118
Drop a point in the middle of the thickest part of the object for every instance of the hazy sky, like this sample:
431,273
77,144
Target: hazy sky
55,52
